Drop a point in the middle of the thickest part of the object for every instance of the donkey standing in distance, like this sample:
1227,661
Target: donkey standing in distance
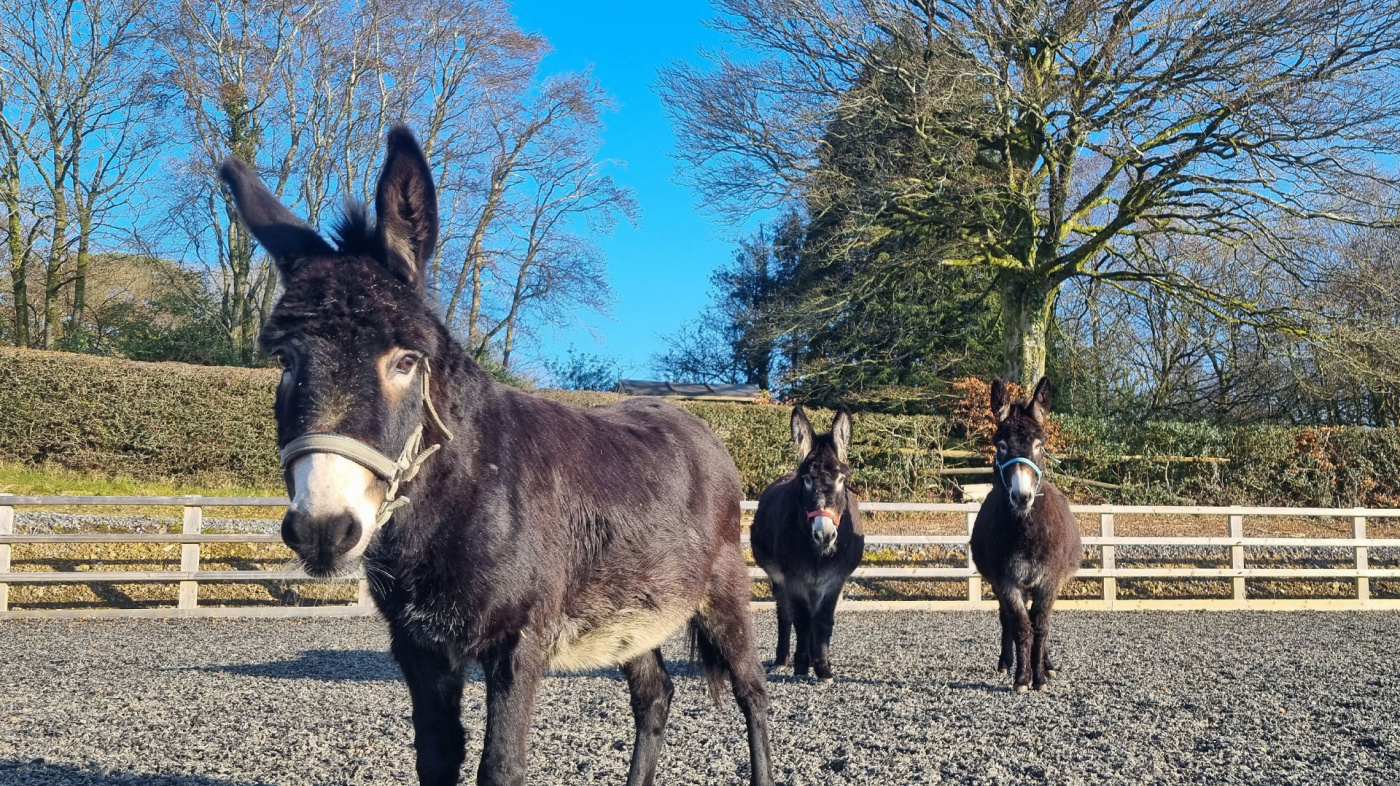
807,537
539,535
1025,541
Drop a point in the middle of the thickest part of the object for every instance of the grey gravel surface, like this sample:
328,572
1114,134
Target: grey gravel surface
44,522
1145,698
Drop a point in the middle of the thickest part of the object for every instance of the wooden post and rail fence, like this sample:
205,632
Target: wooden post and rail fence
192,537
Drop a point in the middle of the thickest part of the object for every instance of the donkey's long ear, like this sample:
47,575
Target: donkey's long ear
841,431
1001,400
1040,402
801,432
405,207
284,236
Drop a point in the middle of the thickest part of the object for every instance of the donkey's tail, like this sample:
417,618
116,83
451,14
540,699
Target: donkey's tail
714,667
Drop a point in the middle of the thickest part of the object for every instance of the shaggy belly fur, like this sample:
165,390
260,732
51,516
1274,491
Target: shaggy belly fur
580,644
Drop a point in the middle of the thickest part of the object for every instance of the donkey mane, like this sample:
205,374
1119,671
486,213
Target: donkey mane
353,231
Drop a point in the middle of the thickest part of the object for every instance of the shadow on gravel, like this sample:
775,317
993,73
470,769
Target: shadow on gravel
376,666
984,687
37,772
324,665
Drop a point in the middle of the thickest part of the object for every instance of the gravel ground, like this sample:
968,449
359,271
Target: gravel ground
34,522
1145,698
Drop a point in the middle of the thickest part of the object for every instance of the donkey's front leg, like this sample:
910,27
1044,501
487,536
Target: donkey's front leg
513,671
1007,661
784,603
1043,604
435,687
798,604
1019,619
823,622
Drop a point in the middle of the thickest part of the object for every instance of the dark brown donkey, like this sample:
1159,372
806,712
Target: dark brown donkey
539,535
1025,541
807,536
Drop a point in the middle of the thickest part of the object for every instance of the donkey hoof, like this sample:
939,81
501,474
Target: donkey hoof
1022,688
1042,685
1052,672
1003,670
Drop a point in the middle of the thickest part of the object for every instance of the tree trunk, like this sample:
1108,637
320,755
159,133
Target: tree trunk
53,274
509,341
19,284
1025,317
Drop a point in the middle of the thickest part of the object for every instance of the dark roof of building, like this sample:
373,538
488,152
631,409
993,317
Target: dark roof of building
637,387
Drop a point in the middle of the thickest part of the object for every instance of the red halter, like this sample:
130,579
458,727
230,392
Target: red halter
831,514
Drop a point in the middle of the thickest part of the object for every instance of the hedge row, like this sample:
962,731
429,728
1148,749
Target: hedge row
175,421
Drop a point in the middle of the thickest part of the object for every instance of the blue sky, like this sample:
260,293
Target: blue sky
660,268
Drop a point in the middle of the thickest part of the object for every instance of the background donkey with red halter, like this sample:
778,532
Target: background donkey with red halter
1025,542
807,536
511,530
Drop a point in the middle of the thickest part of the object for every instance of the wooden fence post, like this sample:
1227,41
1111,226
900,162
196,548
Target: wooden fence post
7,527
1108,560
1363,584
974,582
189,555
1237,558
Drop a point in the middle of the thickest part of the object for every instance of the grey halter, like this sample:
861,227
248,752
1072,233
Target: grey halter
395,473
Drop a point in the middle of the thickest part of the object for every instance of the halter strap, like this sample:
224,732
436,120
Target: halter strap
1001,469
395,473
831,514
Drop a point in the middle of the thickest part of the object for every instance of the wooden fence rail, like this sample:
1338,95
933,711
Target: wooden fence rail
191,537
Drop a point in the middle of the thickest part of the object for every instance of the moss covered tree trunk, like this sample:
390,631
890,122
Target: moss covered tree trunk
19,283
1025,318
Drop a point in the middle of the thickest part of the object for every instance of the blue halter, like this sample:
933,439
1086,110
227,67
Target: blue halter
1001,470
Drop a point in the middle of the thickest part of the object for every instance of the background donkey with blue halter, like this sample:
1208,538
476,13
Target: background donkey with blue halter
511,530
1025,542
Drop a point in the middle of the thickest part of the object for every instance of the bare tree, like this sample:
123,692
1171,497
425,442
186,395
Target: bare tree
76,77
522,129
567,198
16,123
230,61
306,90
1056,141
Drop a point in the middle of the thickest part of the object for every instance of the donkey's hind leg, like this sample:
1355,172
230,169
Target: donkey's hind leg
724,638
651,703
784,604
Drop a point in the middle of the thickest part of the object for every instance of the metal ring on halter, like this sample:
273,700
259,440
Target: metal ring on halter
1001,470
393,472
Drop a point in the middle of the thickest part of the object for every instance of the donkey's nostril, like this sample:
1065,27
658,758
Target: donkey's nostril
342,533
289,530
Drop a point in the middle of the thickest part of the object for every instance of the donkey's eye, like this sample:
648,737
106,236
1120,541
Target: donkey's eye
406,364
807,483
1001,447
